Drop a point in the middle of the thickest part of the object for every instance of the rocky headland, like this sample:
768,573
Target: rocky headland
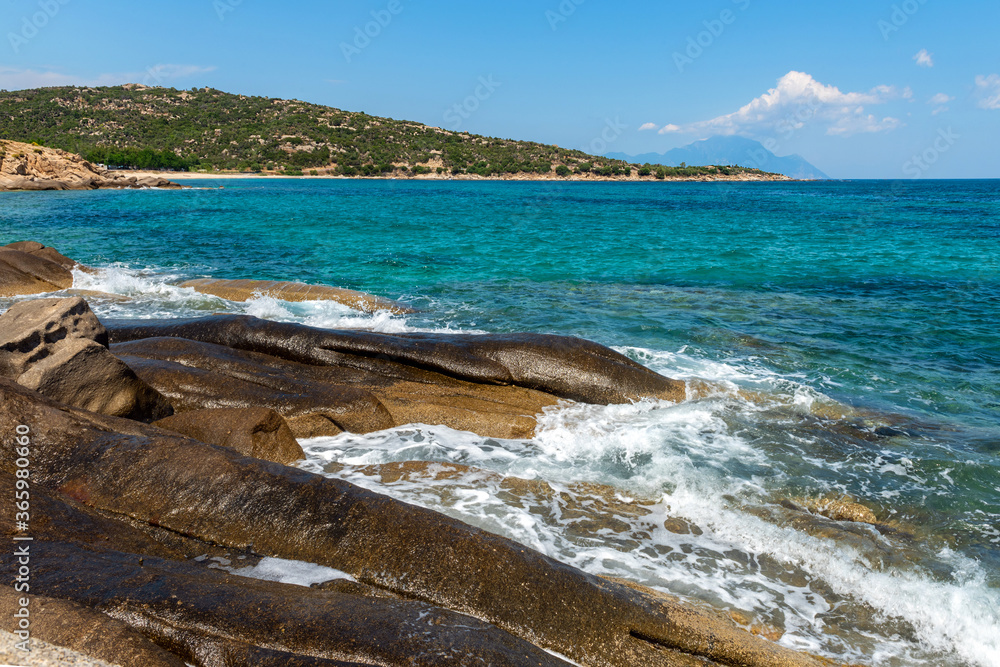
32,167
147,446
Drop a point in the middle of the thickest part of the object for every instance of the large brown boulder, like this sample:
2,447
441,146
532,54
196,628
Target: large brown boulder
151,580
258,432
218,496
58,348
30,273
31,330
562,366
244,290
85,374
327,400
45,252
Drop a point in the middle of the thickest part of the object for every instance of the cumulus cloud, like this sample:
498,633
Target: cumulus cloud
924,59
799,99
988,91
667,129
156,75
648,126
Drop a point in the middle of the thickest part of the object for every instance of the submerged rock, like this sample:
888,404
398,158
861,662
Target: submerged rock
58,348
258,432
244,290
445,568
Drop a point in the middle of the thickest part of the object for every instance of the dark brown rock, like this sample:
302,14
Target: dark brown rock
258,432
70,625
562,366
96,559
45,252
25,246
197,376
27,273
204,614
216,495
326,400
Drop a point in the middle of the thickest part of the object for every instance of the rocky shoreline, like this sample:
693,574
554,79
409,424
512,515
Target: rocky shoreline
33,167
151,445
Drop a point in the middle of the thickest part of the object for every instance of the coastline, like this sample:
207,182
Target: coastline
575,178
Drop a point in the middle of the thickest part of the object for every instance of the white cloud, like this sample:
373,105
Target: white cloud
939,103
155,75
648,126
799,98
988,91
858,124
667,129
924,59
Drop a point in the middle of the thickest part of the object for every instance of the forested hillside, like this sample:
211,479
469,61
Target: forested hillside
206,129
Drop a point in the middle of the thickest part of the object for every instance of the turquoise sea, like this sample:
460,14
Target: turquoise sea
847,334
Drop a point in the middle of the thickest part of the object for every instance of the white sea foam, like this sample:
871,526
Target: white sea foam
285,571
688,461
154,293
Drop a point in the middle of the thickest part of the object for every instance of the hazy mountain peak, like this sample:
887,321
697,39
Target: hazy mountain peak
729,150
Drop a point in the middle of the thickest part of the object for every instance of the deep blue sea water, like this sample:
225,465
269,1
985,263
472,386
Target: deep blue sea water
848,330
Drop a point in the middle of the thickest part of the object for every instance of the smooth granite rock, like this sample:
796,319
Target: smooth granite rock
58,348
258,432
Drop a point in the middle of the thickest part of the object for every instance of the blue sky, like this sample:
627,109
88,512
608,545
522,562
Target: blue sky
862,89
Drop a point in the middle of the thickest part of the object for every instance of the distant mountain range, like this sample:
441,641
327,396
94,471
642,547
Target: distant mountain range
729,151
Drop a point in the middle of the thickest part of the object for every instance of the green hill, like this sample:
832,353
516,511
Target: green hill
164,128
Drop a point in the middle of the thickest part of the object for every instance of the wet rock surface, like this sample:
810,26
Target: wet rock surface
565,367
469,595
258,432
64,623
